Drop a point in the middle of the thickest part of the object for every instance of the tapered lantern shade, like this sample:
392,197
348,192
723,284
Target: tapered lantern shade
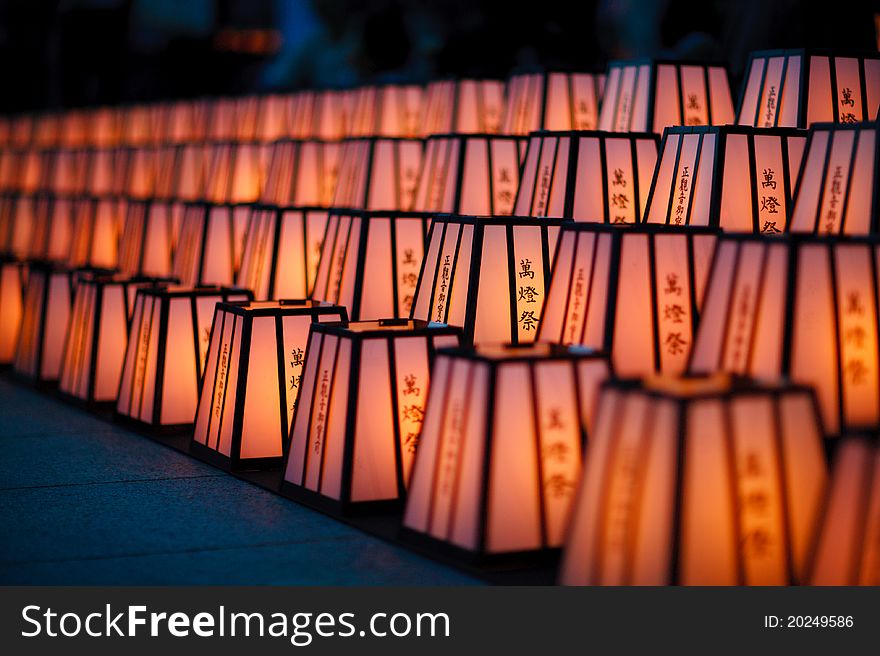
165,356
283,242
697,482
360,411
648,96
378,174
96,337
47,301
847,547
19,218
12,278
386,111
251,380
470,174
839,192
318,115
633,292
273,117
734,178
96,220
803,308
499,455
487,275
551,101
370,262
796,88
598,177
463,106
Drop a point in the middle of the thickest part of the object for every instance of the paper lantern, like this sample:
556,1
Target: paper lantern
847,548
470,174
551,101
499,455
487,275
632,292
251,380
697,482
838,194
47,301
796,88
650,95
318,115
599,177
359,413
96,337
165,356
137,126
221,120
370,262
95,217
804,308
12,279
738,179
390,110
463,106
273,116
378,174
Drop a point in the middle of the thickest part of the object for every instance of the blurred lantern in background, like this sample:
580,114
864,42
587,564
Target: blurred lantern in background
551,101
697,482
634,293
796,88
360,412
463,106
28,170
251,380
734,178
499,456
598,177
386,111
321,114
487,275
96,225
12,281
378,174
650,95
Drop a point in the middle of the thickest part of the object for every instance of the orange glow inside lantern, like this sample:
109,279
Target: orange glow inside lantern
487,275
251,380
551,101
598,177
646,95
738,179
378,174
697,483
499,455
12,276
318,115
386,111
463,106
360,410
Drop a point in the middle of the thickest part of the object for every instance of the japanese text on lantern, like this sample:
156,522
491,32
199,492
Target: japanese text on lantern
621,502
143,350
674,315
741,322
623,113
681,205
409,186
412,412
451,445
620,200
220,385
693,110
771,107
527,294
556,457
409,277
847,106
755,487
769,202
321,415
835,189
576,304
505,192
543,190
444,286
295,378
854,331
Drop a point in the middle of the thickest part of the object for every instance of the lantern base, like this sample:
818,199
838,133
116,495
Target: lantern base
226,463
336,508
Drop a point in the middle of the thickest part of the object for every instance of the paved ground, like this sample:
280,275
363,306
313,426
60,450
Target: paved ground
86,502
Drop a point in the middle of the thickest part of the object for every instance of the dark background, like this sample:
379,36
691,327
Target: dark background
57,53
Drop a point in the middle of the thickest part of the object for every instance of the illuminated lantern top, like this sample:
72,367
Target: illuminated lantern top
318,115
551,101
378,173
301,174
463,106
386,111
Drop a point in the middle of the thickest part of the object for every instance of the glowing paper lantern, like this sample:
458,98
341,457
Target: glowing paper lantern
738,179
470,174
634,293
838,193
386,111
499,455
252,376
488,275
463,106
847,548
697,482
551,101
650,95
359,414
165,356
378,174
318,115
598,177
96,223
370,262
796,88
273,117
12,276
803,308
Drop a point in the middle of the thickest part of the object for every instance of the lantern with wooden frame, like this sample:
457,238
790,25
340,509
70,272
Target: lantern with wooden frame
463,106
391,110
499,455
378,174
802,308
283,242
12,285
251,380
165,356
360,411
796,88
735,178
470,174
487,275
846,550
554,100
597,177
633,292
838,193
370,262
697,481
651,95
